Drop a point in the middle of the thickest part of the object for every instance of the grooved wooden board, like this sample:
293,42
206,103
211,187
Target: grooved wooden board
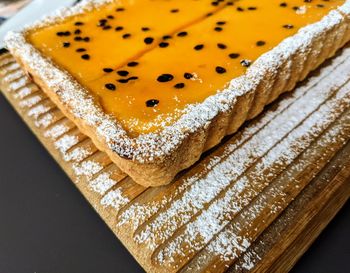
252,204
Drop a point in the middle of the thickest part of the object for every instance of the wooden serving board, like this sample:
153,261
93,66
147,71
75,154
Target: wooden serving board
255,203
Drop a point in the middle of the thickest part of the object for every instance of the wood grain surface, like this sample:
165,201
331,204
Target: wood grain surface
255,203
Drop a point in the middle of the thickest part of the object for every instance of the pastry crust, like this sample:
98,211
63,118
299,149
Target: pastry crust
154,159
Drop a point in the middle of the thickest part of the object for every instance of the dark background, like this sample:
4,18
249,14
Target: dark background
46,226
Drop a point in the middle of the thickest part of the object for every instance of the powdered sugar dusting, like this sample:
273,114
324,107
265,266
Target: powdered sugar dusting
44,121
38,110
87,168
30,101
102,183
65,143
56,131
114,199
77,154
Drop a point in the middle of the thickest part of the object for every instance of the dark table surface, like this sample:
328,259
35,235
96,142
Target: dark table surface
46,226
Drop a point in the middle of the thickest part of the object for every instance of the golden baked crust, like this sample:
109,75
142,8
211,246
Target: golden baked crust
154,159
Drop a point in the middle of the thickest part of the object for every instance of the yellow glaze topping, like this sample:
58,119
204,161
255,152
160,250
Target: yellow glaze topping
179,52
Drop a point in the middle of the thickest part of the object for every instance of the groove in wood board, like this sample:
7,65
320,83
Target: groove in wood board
234,207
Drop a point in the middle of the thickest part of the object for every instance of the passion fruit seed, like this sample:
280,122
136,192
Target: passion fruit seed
165,78
220,70
260,43
122,73
152,103
199,47
148,40
182,34
221,46
234,55
132,64
85,57
179,85
108,70
163,44
110,86
188,76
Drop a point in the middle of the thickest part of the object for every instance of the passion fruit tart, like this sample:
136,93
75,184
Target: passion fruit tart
156,83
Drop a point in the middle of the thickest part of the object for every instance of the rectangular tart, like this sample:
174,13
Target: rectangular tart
154,84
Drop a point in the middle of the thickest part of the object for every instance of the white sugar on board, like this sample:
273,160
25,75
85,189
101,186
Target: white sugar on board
77,154
38,110
102,183
30,101
13,76
56,131
13,86
44,121
87,168
65,143
115,199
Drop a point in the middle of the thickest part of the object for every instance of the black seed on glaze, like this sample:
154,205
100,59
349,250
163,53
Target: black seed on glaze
188,76
66,44
77,32
132,64
152,103
120,9
102,23
86,39
127,80
240,9
110,17
221,46
123,81
81,50
106,27
78,23
163,44
260,43
85,57
174,10
126,35
179,85
182,34
148,40
218,29
110,86
283,4
220,70
165,78
221,23
199,47
119,28
63,33
233,55
166,37
78,38
288,26
122,73
107,70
